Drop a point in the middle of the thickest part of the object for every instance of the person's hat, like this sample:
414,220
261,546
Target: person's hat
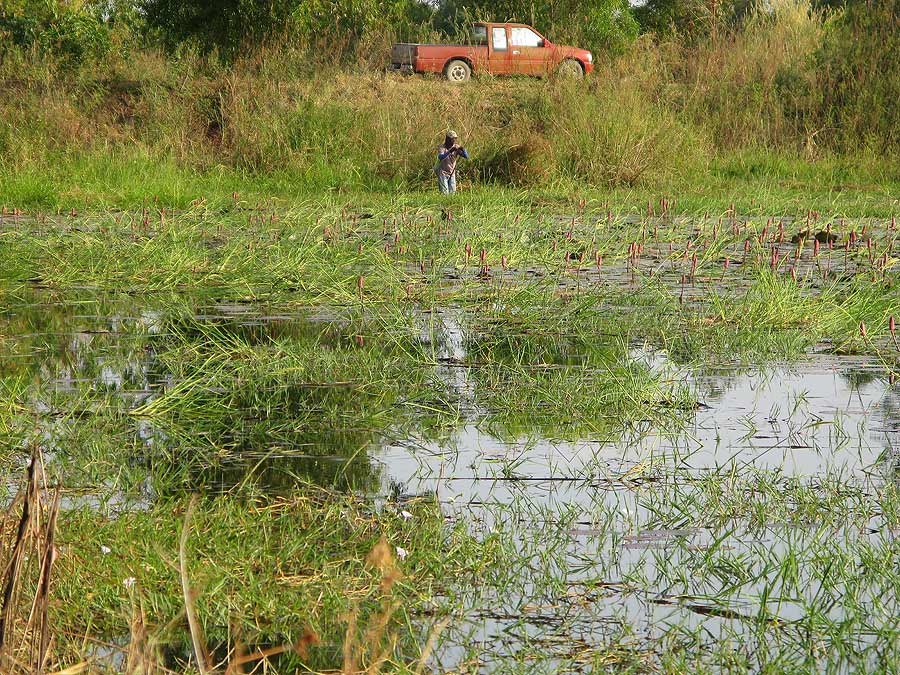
452,134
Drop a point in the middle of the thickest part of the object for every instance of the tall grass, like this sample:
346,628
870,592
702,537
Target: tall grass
661,111
266,585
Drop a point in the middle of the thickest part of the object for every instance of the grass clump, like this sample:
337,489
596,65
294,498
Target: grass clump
262,572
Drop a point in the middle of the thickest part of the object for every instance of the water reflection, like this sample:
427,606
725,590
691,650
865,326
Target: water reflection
237,395
275,427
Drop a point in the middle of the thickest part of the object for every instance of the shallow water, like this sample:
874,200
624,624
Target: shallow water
824,415
600,525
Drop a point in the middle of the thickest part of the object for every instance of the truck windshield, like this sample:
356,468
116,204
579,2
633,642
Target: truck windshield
479,35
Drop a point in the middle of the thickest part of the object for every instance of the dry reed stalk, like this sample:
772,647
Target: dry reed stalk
13,572
430,643
196,629
141,658
241,657
42,596
236,663
77,669
375,667
349,665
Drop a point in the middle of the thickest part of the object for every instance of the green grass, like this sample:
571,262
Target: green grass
759,182
228,350
300,563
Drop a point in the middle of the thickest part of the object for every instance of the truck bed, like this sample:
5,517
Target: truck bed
404,53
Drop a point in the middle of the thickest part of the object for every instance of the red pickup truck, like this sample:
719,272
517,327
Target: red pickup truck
496,48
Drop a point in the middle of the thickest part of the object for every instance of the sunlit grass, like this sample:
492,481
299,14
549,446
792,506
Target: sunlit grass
249,353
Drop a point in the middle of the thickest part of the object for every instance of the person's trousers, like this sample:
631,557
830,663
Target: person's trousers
447,184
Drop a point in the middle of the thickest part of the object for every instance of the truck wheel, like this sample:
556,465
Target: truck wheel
571,68
458,71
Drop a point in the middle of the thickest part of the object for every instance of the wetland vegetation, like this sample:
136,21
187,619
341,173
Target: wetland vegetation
626,403
523,402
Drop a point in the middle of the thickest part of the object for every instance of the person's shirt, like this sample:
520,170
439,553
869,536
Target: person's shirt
447,160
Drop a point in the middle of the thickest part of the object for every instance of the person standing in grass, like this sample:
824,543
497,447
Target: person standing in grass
448,154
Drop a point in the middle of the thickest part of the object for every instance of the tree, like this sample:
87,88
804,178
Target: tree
225,25
690,18
70,30
599,25
230,25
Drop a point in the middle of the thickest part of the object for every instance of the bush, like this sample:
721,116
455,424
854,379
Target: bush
621,140
859,76
68,31
749,85
603,26
229,27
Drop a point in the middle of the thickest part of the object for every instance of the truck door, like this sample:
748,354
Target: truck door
499,58
529,52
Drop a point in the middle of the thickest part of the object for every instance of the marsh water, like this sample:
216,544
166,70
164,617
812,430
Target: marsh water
598,523
643,497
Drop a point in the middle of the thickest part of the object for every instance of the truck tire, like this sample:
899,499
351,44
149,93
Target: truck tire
457,71
570,68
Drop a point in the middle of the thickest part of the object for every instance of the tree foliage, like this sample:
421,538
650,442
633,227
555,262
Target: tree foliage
599,25
690,18
71,30
698,18
231,25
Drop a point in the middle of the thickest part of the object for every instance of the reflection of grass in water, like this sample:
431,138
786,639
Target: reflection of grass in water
239,394
322,382
231,403
803,570
547,354
587,400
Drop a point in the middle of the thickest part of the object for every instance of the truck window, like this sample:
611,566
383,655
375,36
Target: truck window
499,36
525,37
479,35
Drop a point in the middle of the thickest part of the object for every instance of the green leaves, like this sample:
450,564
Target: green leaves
67,30
229,26
598,25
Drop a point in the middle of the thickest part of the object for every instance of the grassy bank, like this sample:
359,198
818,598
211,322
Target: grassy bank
757,182
763,112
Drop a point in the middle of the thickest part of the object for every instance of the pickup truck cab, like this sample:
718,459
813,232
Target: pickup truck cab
495,48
